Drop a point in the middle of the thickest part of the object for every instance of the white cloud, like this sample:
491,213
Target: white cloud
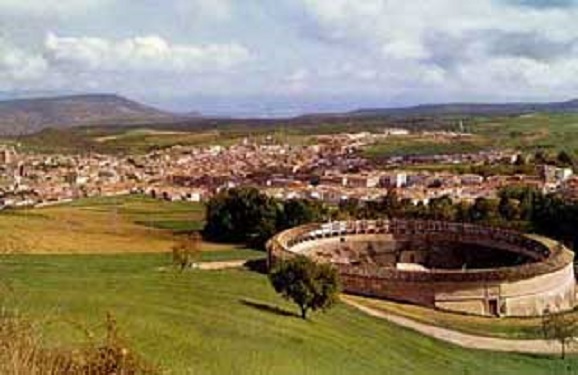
49,8
17,65
477,46
204,9
143,53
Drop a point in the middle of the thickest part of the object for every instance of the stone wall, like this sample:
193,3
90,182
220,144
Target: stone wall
546,281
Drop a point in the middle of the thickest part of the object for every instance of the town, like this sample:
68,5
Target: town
329,168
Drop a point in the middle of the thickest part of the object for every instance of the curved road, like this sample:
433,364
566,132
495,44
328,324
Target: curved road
464,339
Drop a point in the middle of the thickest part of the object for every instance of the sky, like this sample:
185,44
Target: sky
283,57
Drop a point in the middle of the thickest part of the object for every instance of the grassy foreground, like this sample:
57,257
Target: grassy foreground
229,322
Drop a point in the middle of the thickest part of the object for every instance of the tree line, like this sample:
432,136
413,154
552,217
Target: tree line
245,215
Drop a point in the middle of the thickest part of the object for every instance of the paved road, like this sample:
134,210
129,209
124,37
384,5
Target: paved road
463,339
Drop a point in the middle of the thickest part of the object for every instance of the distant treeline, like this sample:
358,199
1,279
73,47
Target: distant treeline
248,216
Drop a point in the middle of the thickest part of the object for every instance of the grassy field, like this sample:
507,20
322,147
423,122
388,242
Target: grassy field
423,145
531,132
200,322
128,224
135,141
229,322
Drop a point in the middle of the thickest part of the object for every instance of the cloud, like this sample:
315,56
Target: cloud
204,9
541,4
514,46
17,65
49,8
143,53
383,49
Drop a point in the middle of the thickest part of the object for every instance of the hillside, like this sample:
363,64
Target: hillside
471,109
231,322
24,116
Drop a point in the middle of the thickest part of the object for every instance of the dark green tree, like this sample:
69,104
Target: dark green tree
300,211
509,209
312,286
442,209
566,159
241,215
485,210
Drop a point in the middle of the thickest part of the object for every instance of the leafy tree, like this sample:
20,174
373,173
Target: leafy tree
560,327
565,159
484,210
310,285
300,211
242,215
509,209
349,207
391,204
540,157
442,209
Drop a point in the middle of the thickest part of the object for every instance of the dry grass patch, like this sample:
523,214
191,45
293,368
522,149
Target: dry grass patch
131,224
23,353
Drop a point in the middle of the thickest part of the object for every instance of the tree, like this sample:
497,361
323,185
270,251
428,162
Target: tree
509,209
391,204
186,251
242,215
310,285
300,211
442,208
565,159
484,210
560,327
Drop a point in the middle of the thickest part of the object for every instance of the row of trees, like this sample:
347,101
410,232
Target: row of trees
520,207
248,216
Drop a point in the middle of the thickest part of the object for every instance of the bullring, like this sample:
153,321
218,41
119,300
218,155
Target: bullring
450,266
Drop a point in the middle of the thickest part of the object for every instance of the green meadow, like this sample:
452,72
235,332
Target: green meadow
228,322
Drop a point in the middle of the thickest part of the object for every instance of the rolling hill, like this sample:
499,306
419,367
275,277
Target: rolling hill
488,109
24,116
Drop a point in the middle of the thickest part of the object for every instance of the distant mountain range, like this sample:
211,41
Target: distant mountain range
23,116
470,109
29,115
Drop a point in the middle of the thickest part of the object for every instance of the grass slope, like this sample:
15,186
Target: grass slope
423,145
510,327
531,132
229,322
131,223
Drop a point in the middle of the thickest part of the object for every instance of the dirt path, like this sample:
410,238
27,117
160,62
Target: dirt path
221,265
463,339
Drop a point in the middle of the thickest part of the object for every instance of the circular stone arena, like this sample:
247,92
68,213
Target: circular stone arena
450,266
